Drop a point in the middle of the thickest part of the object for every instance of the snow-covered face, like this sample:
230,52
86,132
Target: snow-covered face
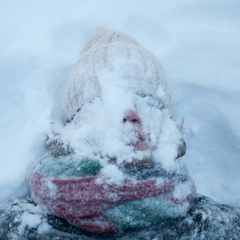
141,141
124,123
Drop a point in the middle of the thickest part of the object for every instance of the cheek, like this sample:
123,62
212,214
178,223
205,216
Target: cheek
152,119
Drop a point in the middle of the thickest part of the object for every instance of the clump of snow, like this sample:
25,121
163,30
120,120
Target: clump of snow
44,228
27,216
30,220
169,140
52,188
182,190
110,174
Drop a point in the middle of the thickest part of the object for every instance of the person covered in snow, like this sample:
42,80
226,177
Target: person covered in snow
115,164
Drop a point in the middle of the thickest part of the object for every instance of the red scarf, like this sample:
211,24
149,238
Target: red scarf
81,200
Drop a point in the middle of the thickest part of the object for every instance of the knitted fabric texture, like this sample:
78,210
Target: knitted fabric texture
102,54
105,207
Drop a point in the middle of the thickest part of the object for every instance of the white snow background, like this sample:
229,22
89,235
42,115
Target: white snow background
197,43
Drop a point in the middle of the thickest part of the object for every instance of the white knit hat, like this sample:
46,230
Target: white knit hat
101,54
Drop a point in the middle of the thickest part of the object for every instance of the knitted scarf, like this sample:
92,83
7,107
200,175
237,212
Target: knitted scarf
80,198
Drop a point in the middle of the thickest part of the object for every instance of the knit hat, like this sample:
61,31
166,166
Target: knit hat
101,54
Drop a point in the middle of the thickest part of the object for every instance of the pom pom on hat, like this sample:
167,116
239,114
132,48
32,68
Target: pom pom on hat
101,54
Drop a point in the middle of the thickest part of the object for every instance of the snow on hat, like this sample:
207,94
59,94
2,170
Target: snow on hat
100,55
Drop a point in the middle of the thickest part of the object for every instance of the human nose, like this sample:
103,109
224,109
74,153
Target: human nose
132,117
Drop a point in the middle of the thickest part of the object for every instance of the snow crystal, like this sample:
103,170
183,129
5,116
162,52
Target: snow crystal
182,190
110,174
43,228
30,220
143,212
52,188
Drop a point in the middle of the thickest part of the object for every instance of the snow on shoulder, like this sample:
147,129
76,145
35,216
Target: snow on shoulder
119,151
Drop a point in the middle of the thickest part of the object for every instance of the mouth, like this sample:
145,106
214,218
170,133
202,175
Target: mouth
139,145
142,141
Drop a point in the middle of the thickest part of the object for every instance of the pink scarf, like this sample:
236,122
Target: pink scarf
81,200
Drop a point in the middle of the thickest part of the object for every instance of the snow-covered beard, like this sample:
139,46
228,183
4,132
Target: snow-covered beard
98,129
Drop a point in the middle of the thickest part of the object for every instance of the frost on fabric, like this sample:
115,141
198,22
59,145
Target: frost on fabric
142,213
68,166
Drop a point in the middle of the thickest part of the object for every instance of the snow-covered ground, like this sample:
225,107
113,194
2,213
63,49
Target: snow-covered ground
197,43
